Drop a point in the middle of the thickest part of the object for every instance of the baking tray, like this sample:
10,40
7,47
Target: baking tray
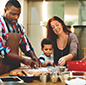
12,83
11,79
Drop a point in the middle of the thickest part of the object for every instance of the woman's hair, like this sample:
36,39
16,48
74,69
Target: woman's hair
46,41
50,33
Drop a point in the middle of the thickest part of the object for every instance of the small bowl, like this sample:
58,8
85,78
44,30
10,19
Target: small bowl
27,79
36,77
61,68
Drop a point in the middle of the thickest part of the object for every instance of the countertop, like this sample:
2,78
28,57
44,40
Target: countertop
35,82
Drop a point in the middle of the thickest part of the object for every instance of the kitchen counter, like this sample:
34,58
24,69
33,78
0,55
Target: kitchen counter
36,82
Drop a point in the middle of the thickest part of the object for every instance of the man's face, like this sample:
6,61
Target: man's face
12,14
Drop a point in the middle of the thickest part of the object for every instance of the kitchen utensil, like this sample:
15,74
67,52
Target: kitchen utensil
43,77
68,75
65,75
76,81
27,77
54,77
11,79
61,69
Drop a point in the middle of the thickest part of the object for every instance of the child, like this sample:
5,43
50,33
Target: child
47,47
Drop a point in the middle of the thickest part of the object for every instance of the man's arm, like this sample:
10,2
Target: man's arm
17,58
30,52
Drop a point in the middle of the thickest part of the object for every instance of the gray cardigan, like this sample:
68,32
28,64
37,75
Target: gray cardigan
74,45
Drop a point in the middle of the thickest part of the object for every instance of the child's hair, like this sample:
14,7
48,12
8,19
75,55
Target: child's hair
46,41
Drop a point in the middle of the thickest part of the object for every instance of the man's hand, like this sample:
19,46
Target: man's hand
29,62
37,61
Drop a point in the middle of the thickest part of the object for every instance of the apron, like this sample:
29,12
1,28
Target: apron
6,64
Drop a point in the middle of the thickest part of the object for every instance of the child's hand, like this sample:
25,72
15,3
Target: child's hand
44,65
49,62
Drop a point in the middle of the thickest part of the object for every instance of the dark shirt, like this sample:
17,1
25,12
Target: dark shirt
59,53
72,47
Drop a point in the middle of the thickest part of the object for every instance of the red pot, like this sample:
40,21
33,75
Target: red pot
76,65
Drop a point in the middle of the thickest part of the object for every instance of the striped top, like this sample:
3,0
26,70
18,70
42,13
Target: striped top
5,29
43,58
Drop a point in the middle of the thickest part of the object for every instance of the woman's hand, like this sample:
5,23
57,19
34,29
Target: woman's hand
61,61
64,59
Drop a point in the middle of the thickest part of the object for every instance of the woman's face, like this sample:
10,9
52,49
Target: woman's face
56,27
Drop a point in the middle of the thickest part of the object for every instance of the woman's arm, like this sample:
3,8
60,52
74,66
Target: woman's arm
64,59
73,43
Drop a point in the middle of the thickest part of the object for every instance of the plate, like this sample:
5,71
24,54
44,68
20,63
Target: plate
76,81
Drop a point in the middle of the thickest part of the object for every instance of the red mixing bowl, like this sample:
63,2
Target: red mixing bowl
76,65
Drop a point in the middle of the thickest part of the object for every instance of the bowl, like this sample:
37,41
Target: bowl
60,69
64,76
76,65
28,78
69,75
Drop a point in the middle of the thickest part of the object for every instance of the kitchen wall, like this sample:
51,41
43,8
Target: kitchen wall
39,12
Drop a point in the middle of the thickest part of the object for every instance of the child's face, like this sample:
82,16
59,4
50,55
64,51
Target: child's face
47,49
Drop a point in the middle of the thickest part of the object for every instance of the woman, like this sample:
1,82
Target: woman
66,45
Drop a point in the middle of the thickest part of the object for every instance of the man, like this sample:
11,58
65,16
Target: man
13,36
